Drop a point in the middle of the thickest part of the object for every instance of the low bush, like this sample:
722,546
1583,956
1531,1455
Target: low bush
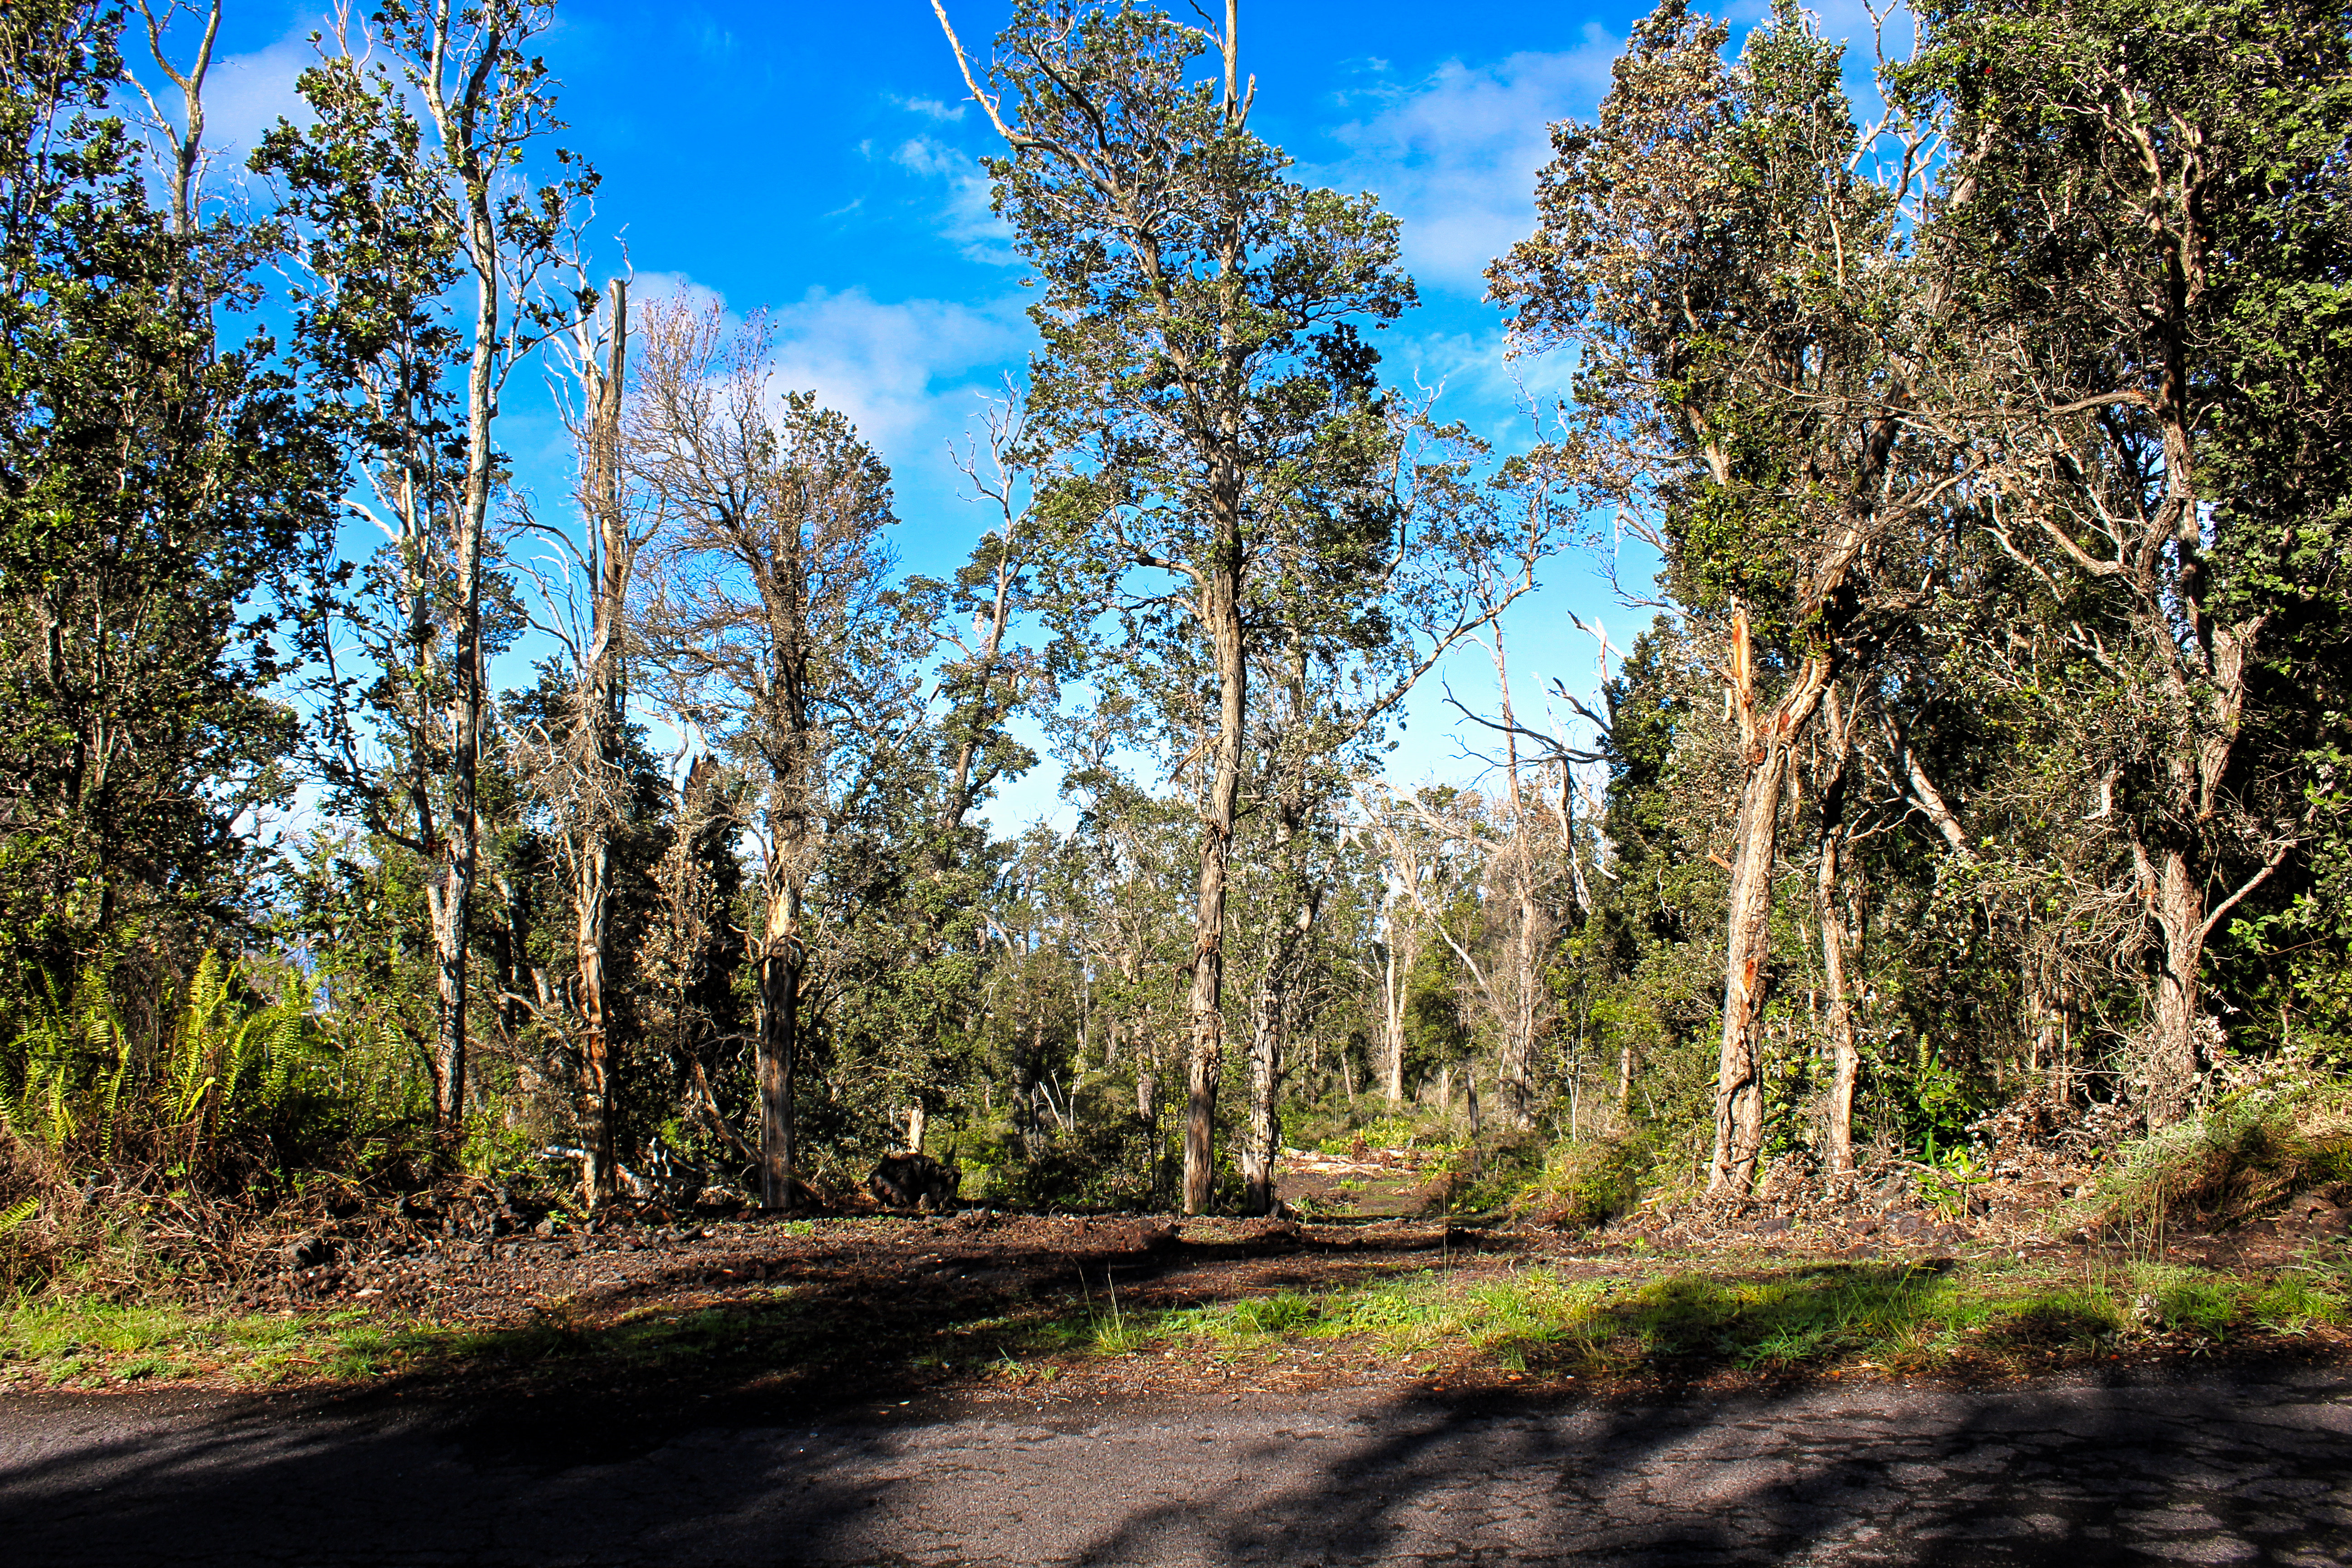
1587,1183
2240,1161
1105,1164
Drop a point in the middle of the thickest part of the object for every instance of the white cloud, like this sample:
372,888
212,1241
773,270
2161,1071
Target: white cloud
1455,156
930,107
903,371
921,156
246,95
961,186
674,285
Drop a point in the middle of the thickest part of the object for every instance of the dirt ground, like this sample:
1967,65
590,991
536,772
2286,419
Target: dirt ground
885,1307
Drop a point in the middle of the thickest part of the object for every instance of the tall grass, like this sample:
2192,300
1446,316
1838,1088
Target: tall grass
2242,1159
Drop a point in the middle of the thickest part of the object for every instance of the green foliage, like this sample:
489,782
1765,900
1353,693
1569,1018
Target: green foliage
1104,1165
161,496
74,1082
1585,1184
243,1103
2240,1160
1388,1131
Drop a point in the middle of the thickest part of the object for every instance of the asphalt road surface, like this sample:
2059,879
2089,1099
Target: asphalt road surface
2241,1466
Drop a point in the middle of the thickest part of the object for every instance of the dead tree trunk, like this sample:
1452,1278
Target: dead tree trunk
777,1046
599,741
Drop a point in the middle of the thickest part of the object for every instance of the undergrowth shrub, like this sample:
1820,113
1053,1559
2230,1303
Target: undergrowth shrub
2240,1160
127,1155
1588,1183
1105,1164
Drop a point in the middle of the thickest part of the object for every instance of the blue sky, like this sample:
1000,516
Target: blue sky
818,160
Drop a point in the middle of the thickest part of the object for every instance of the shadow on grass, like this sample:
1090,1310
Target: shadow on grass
1691,1324
765,1428
1818,1315
866,1325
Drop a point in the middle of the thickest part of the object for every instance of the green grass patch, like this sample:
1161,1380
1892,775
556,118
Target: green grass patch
1822,1317
1677,1320
76,1342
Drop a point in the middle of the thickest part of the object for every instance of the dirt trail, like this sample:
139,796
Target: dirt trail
2247,1466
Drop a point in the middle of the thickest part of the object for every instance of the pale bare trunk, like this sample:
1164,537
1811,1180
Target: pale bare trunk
596,1039
1517,1005
1526,981
1844,1056
461,835
1264,1122
2174,1059
1739,1072
1768,745
448,906
1392,1009
600,716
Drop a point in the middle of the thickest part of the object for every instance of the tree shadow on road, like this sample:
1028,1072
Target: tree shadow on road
2236,1470
766,1428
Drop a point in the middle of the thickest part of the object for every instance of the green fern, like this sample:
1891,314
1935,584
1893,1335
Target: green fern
12,1218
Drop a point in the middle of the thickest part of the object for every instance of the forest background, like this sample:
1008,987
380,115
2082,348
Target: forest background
475,707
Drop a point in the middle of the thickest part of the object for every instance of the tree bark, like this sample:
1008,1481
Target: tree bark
1277,1015
1393,979
1296,906
600,701
1205,997
461,835
1770,746
777,1048
1844,1056
2173,1059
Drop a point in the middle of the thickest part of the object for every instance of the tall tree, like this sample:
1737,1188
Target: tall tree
1336,653
766,618
2145,219
405,189
1202,377
1748,336
158,484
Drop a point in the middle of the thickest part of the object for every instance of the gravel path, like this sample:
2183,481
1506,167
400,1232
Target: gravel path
2239,1468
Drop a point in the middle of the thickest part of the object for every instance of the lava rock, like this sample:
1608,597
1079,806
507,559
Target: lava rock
908,1180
